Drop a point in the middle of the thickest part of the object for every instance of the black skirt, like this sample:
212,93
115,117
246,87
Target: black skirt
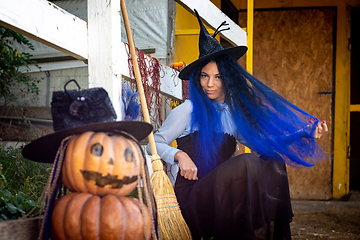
244,197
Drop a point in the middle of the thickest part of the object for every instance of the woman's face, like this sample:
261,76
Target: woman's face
211,82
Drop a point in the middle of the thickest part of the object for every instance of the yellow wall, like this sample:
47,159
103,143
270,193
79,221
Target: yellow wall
187,35
186,50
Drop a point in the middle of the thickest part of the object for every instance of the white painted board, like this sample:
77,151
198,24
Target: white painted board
213,17
47,23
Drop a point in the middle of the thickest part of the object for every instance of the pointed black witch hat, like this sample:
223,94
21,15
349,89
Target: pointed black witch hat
210,47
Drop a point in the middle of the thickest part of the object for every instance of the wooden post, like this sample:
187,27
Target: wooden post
104,48
250,34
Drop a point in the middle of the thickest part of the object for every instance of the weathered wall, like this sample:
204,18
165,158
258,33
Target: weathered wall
340,125
14,125
55,81
293,53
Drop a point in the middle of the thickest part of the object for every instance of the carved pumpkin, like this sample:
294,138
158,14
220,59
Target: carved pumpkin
100,164
85,216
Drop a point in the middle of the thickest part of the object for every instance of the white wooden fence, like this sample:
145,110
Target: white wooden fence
96,42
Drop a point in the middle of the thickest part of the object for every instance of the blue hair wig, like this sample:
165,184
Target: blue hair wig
207,120
272,126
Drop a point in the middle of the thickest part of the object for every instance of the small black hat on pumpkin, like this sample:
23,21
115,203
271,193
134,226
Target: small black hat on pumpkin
210,47
78,111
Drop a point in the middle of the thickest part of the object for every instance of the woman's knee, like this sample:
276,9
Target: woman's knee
240,167
248,161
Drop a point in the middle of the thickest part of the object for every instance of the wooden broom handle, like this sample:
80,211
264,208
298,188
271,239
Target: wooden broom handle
137,75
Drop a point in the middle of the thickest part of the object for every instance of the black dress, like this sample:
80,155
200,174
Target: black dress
244,197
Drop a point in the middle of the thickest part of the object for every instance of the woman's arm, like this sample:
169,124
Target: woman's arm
175,125
306,132
187,167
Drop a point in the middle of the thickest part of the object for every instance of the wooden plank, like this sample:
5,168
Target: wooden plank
47,23
171,85
50,66
21,229
341,173
26,112
355,108
213,16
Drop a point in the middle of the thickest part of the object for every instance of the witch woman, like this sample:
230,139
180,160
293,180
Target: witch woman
222,196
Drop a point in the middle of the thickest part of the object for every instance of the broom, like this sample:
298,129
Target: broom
170,220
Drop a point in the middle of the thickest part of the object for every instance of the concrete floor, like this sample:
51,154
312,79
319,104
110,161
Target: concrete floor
333,219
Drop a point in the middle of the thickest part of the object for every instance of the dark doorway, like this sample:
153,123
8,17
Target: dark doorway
355,99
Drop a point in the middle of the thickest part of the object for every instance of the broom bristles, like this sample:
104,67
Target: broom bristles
171,221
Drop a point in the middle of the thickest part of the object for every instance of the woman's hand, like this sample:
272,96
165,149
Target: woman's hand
321,128
187,167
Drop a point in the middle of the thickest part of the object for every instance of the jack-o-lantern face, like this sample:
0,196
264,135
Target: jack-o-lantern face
101,164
